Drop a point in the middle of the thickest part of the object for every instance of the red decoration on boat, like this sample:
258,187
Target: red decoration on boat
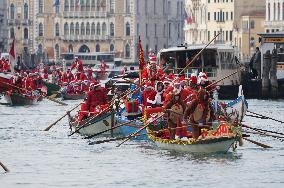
131,106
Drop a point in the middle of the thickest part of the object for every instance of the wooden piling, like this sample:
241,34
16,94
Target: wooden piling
265,74
273,74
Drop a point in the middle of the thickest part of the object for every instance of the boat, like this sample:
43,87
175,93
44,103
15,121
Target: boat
93,125
217,60
219,140
18,99
51,88
67,96
5,82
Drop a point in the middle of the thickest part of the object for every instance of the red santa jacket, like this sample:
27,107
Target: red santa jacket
96,97
148,94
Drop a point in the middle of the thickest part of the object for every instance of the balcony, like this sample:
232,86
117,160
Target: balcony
25,42
83,14
85,37
26,22
11,21
278,23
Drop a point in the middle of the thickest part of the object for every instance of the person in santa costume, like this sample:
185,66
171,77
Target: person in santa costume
95,97
70,76
175,109
200,113
152,72
148,94
77,64
159,98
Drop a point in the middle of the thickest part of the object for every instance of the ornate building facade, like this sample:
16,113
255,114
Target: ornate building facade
274,17
3,26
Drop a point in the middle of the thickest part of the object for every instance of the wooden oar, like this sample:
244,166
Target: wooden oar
263,130
117,126
257,143
266,134
265,117
49,127
111,139
139,130
4,167
56,101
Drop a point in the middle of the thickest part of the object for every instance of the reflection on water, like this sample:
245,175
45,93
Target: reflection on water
53,159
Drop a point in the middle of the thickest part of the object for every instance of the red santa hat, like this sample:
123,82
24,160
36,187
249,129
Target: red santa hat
171,76
202,77
149,85
193,78
152,59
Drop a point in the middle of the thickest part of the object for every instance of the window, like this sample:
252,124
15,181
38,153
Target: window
82,29
127,29
170,30
111,4
164,7
231,35
278,11
164,30
98,29
66,5
232,16
155,7
72,5
26,33
282,11
146,30
40,30
93,5
208,16
88,28
57,29
208,35
127,51
169,7
57,9
104,30
26,11
93,29
111,29
83,6
12,11
138,30
12,33
70,48
111,48
40,6
77,29
72,28
88,6
227,16
274,11
252,24
127,7
98,48
227,35
155,27
268,7
215,17
56,51
146,7
66,29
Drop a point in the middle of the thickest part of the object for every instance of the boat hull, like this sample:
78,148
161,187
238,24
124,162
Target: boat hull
238,108
95,126
16,99
51,88
220,145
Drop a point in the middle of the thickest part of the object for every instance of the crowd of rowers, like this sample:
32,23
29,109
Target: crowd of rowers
182,99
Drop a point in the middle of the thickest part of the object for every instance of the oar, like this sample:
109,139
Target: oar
49,127
263,130
266,134
56,101
4,167
112,139
265,117
139,130
117,126
257,143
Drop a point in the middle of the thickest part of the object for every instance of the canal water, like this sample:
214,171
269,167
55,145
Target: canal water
52,159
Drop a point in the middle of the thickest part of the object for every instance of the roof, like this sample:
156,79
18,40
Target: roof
198,47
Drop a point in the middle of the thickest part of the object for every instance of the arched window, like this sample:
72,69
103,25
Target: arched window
77,29
104,29
26,33
103,5
66,5
274,11
88,28
93,5
12,33
56,51
127,51
66,29
84,49
98,48
111,28
127,29
40,29
12,11
111,48
93,29
278,11
82,29
88,5
98,5
72,28
83,6
57,29
26,11
40,6
70,48
98,29
111,4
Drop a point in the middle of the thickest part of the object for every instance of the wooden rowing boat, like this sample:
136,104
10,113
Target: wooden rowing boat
94,125
17,99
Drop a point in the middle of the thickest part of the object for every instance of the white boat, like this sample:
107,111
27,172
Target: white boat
215,145
94,125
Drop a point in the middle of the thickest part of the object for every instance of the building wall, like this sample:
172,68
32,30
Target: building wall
274,17
3,26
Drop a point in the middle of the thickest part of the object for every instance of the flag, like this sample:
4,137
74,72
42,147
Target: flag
78,2
141,60
189,19
56,3
12,56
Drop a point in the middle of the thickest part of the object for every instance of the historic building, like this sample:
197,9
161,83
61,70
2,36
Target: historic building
3,27
195,28
20,26
274,17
